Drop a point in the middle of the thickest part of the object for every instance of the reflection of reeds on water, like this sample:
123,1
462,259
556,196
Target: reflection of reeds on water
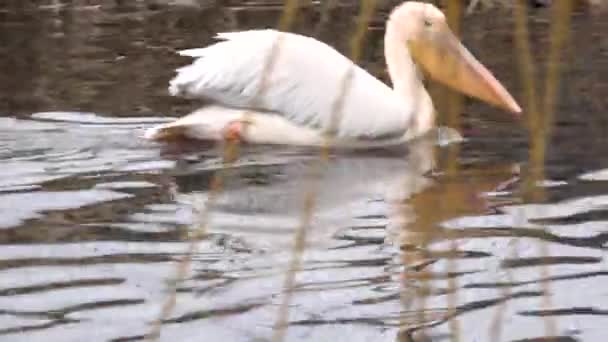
366,12
560,25
454,14
230,153
527,74
540,114
419,234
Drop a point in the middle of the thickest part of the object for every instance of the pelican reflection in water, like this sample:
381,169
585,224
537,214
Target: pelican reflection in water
261,202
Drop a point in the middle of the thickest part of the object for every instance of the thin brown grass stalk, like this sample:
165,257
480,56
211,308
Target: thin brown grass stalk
289,14
414,299
454,11
285,22
326,7
550,325
541,113
282,320
505,292
280,327
454,16
560,33
230,153
414,240
531,105
560,25
535,118
452,296
408,258
183,266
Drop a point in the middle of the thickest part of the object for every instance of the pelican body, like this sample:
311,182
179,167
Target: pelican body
294,103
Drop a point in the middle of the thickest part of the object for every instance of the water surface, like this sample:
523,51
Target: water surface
93,219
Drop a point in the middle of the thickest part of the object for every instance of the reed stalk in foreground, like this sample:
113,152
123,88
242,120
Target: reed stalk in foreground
419,232
540,114
356,44
455,101
230,153
560,26
527,73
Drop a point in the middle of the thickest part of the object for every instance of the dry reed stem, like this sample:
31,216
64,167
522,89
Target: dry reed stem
527,75
531,104
505,292
417,242
420,237
280,327
455,100
454,16
412,254
285,22
540,122
230,153
535,117
183,265
526,64
547,304
560,24
326,7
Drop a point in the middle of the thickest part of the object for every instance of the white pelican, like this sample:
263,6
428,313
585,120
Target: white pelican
297,104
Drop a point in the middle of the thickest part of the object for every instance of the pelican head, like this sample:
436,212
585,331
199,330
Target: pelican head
433,46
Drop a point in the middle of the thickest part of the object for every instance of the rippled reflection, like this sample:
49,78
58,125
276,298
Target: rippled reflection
146,214
106,241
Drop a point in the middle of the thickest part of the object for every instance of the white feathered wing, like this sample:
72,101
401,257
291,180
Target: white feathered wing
304,83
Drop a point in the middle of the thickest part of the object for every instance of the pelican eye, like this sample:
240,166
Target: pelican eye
427,23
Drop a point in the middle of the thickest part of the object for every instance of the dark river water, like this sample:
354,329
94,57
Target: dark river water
430,244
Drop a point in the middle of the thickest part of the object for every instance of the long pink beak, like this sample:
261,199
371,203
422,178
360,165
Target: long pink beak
449,62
